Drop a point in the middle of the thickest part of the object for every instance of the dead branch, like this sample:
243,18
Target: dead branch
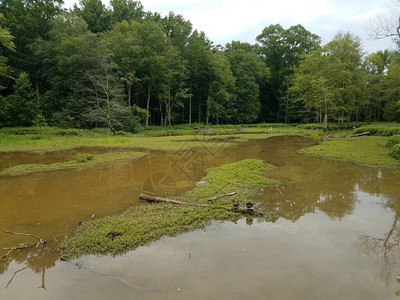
361,134
16,248
223,196
242,210
41,241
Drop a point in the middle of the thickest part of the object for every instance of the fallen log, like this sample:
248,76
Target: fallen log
242,210
361,134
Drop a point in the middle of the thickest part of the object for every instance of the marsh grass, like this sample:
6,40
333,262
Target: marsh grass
143,224
369,150
81,160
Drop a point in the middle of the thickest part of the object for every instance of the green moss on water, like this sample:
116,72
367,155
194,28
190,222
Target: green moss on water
81,160
141,225
368,150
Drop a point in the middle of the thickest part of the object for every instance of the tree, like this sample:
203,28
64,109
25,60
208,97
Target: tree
22,107
282,49
70,53
95,14
28,21
376,67
124,42
221,84
250,72
6,41
127,10
153,61
177,90
391,91
330,81
198,55
105,92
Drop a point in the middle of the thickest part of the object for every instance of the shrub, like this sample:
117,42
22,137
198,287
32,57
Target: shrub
393,140
83,157
396,151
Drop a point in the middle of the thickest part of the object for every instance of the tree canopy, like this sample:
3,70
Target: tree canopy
118,65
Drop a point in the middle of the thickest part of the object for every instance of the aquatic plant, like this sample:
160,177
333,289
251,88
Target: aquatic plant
143,224
83,157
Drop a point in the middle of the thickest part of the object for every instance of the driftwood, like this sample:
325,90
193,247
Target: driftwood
41,241
360,134
242,210
223,196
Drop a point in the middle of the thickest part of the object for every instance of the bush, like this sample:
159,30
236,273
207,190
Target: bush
396,151
393,140
83,157
382,129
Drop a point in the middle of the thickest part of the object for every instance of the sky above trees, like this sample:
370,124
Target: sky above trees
227,20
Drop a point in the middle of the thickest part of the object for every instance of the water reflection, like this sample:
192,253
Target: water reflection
386,246
51,204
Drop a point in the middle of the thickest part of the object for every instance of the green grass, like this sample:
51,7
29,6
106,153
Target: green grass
143,224
369,150
82,160
381,129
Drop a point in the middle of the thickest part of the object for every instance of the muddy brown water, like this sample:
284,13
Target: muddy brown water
338,235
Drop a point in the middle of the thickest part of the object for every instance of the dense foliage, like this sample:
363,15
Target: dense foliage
119,66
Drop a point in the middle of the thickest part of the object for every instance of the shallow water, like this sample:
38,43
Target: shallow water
337,237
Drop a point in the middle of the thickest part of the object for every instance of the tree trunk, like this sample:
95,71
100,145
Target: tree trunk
129,90
190,110
148,101
326,112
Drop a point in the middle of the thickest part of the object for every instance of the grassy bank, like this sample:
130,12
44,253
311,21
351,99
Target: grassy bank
45,140
80,161
369,150
141,225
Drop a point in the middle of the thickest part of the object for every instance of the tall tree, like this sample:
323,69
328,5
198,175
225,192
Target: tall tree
22,106
221,84
124,42
250,72
199,55
282,49
6,42
127,10
96,15
330,81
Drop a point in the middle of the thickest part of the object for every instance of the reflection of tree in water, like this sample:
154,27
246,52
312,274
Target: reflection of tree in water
38,259
312,184
386,247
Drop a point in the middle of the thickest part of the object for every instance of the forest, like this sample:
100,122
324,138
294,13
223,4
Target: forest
121,67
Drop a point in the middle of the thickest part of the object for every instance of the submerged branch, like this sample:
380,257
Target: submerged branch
41,241
16,248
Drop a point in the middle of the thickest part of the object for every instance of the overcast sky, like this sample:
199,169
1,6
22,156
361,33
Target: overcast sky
227,20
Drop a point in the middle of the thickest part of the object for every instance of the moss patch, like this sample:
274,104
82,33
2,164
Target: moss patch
369,150
82,160
140,225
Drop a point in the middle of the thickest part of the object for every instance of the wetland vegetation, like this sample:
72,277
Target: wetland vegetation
120,101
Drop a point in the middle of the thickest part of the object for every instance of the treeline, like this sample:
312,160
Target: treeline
120,66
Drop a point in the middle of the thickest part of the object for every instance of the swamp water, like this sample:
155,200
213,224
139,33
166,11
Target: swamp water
338,235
